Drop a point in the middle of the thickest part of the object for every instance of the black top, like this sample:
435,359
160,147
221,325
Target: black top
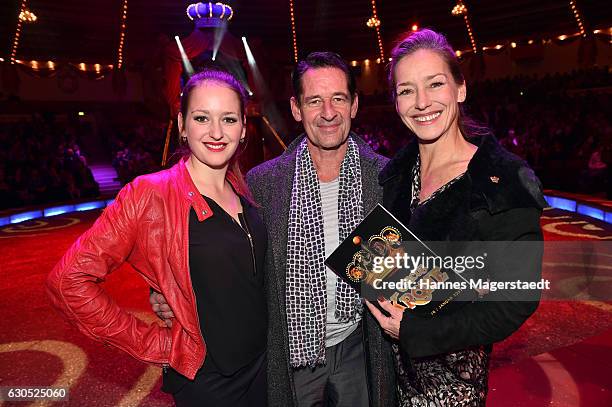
227,276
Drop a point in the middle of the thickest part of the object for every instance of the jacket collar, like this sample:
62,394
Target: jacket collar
498,178
405,159
190,193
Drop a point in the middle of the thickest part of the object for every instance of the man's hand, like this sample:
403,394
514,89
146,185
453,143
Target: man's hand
161,308
390,324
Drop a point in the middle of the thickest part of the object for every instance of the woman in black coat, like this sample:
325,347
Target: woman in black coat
454,183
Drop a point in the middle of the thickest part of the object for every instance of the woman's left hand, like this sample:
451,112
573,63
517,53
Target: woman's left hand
390,324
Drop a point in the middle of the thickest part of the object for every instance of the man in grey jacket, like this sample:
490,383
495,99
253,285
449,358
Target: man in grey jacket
324,348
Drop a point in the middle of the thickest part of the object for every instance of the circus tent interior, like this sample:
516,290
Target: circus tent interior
89,96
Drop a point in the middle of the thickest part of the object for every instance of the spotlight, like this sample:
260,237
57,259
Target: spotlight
186,63
247,50
415,27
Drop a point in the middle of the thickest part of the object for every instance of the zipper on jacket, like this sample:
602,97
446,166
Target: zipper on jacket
248,233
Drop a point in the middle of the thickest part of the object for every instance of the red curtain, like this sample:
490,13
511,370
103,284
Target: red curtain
196,43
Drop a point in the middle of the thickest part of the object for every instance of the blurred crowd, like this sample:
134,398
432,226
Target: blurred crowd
136,148
561,124
41,162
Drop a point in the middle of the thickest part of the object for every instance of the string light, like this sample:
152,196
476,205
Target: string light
461,10
122,35
295,49
17,32
50,65
578,17
374,22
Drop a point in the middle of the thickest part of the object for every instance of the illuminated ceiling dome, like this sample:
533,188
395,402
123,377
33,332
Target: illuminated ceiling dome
209,14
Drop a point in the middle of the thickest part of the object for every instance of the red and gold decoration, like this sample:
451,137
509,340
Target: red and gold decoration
460,9
27,16
374,22
295,49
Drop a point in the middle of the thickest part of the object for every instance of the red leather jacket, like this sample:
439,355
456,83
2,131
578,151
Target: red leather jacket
147,226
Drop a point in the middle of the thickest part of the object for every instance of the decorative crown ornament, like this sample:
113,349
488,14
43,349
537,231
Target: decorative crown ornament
209,14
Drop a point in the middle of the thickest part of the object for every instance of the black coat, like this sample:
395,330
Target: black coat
498,199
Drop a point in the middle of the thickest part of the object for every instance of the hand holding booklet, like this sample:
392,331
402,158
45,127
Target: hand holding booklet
383,258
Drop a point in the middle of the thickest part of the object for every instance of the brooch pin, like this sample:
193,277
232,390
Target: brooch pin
494,179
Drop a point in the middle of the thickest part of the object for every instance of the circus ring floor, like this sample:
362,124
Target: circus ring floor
562,356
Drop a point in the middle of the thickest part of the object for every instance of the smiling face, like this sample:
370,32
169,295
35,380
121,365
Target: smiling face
213,124
427,96
325,107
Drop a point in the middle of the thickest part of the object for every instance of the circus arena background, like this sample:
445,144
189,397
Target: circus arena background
88,97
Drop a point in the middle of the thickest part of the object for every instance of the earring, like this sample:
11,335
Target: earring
242,139
184,139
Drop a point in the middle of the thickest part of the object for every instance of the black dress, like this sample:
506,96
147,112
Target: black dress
448,379
226,266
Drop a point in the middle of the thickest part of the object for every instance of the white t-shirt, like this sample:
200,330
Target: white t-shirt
336,331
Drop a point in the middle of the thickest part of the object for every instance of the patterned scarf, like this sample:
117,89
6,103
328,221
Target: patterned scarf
306,274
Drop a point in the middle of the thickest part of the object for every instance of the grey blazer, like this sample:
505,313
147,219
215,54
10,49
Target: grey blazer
271,184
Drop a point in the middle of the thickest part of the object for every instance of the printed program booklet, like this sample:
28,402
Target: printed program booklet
383,258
